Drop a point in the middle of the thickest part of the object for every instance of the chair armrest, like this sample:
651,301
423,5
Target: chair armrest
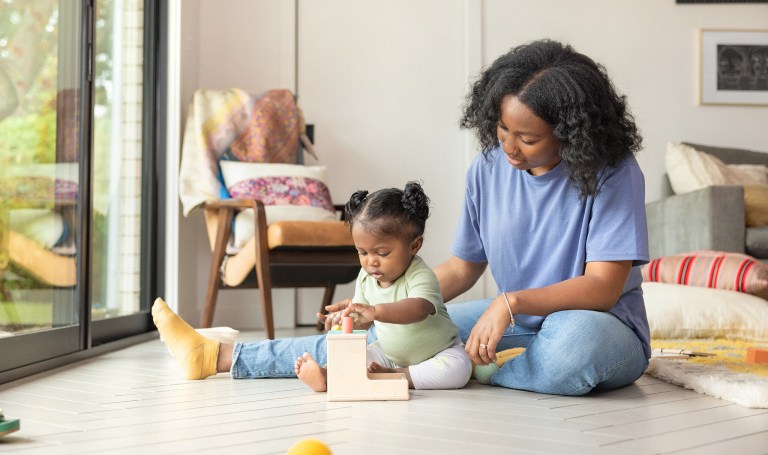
220,214
708,219
231,204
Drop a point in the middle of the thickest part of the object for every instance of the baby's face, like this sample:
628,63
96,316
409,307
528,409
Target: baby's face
383,258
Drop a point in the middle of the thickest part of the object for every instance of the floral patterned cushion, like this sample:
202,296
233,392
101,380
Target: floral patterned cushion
290,192
284,190
22,190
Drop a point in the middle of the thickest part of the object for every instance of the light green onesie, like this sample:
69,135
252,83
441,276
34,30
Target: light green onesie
409,344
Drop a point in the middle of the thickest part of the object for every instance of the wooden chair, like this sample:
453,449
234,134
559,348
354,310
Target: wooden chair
283,254
45,265
268,128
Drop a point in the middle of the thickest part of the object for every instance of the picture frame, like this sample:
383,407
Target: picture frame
733,67
721,1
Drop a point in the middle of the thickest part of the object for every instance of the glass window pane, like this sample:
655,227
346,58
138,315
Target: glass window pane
39,179
117,158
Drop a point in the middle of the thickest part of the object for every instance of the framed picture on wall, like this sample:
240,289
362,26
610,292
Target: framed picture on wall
721,1
733,67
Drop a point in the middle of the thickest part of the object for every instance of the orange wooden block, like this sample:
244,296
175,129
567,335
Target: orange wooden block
757,355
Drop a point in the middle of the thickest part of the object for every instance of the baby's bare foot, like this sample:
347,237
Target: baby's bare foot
376,368
310,373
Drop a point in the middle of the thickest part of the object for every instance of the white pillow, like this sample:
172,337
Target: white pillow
690,170
748,174
680,311
41,225
44,226
290,192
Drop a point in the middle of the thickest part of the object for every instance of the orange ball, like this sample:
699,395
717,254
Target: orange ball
309,447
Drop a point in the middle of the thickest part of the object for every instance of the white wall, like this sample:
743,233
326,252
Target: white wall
649,48
371,140
384,89
248,44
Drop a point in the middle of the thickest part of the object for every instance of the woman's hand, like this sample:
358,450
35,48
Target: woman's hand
485,335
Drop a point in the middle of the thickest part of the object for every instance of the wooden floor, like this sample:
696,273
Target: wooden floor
133,401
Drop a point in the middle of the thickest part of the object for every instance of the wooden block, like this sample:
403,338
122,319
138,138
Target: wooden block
347,372
757,356
8,426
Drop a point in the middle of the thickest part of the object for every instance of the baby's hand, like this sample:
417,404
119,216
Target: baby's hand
363,313
333,317
330,320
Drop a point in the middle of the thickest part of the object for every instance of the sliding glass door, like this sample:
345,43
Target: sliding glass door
41,142
77,195
117,159
124,261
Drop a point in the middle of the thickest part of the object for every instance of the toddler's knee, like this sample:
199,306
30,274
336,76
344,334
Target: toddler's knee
465,372
442,372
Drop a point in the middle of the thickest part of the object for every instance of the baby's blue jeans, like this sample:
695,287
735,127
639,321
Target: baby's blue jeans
572,353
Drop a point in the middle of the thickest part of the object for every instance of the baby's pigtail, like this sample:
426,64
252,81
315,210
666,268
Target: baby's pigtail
416,203
354,204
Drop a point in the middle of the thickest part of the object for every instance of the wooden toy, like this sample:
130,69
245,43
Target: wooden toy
346,324
8,425
483,373
347,370
757,356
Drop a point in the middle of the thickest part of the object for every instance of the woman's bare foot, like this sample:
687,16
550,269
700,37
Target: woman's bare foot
310,373
376,368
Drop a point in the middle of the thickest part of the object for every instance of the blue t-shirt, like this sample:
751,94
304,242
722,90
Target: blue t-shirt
535,231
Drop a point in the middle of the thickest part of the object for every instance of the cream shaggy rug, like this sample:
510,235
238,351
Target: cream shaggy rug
745,389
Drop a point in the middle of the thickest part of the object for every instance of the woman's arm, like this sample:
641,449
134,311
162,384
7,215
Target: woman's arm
598,289
456,276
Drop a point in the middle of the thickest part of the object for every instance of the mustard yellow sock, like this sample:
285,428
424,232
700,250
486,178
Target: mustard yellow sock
196,354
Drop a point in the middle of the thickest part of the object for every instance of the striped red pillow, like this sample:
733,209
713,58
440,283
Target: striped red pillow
711,269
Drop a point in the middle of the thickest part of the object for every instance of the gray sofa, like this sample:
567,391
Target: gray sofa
708,219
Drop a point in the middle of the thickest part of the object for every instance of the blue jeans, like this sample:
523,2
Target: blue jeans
276,358
572,353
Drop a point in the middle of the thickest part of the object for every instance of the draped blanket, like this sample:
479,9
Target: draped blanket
233,125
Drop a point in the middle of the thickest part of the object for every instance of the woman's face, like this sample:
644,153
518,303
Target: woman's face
526,139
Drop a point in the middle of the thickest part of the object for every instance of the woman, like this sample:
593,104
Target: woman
555,207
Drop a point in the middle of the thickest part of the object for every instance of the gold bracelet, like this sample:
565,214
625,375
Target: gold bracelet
509,307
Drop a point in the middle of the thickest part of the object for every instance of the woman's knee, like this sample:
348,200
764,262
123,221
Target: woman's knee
574,352
588,330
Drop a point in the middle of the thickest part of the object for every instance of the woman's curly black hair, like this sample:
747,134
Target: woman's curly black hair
390,212
569,91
